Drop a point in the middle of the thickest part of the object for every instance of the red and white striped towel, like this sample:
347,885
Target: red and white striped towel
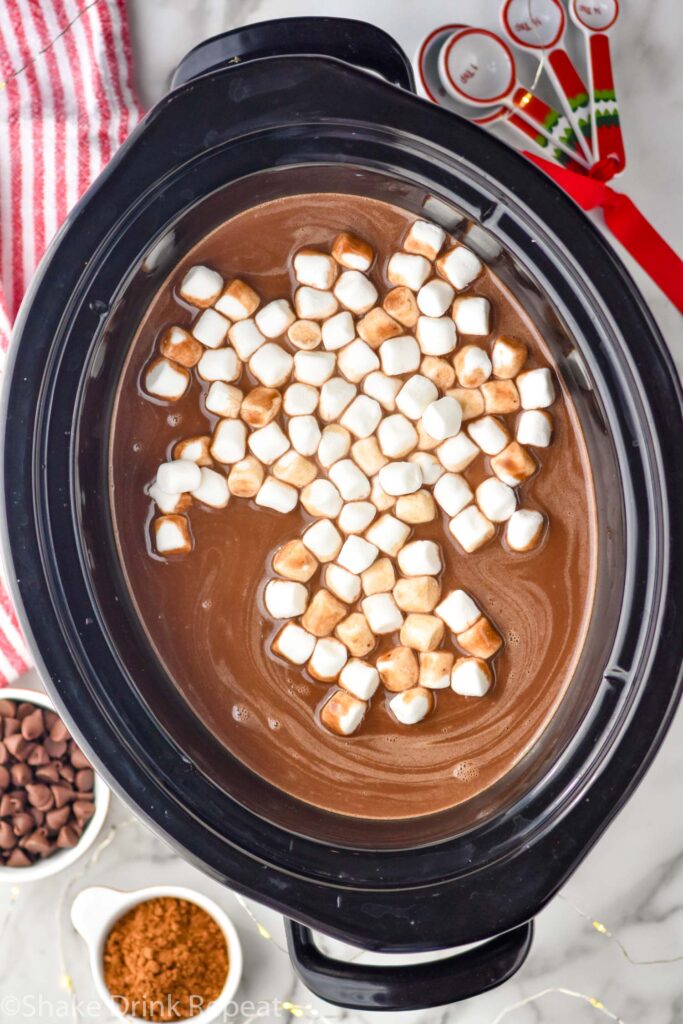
66,104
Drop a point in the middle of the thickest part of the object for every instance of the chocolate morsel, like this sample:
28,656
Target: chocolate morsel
40,797
21,774
85,779
22,823
83,810
57,817
7,709
33,726
67,836
7,837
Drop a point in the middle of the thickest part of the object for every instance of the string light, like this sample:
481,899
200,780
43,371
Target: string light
597,1004
602,929
48,46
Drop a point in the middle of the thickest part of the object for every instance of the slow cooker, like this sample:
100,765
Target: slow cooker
324,104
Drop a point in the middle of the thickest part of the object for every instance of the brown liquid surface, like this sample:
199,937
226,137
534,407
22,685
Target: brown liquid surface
204,612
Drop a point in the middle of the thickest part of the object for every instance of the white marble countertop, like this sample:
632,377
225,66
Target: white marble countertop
632,881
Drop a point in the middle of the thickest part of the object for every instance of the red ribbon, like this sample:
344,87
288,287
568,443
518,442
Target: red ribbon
624,220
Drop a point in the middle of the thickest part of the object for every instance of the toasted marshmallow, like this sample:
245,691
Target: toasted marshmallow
396,436
430,467
342,713
356,516
500,397
335,395
383,615
294,561
294,469
408,271
273,319
268,443
278,496
201,286
536,389
436,335
435,669
471,402
425,442
238,301
439,371
223,400
442,418
172,535
195,449
471,314
338,331
379,497
472,366
383,389
352,252
399,355
489,434
456,454
459,266
415,395
471,677
294,644
524,529
356,635
535,428
411,706
514,465
343,584
323,613
422,632
316,269
416,508
285,599
211,328
353,484
304,433
335,443
165,379
324,540
400,303
245,338
229,442
379,578
433,299
481,640
314,367
245,477
400,478
367,455
219,364
508,356
168,503
328,659
180,347
355,291
389,534
300,399
304,334
377,326
362,416
359,678
357,360
471,528
321,498
496,500
420,558
453,493
425,239
271,365
418,594
357,554
398,668
311,304
458,611
212,490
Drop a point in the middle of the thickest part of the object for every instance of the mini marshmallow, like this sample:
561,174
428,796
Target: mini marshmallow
496,500
273,319
285,599
219,364
367,455
536,389
500,397
328,659
471,677
535,428
359,678
416,508
481,640
276,495
355,291
376,326
300,399
311,304
471,402
456,454
342,713
399,355
396,436
435,669
261,406
294,644
415,395
357,360
352,252
362,416
201,286
439,371
165,379
335,395
294,561
268,443
411,706
238,301
472,366
223,400
172,535
425,442
323,614
434,298
304,433
420,558
343,584
168,503
459,266
422,632
180,347
338,331
514,465
211,328
431,468
321,498
453,493
471,528
335,443
383,615
178,476
389,534
400,478
213,489
357,554
458,611
353,484
524,529
425,239
245,338
398,668
356,635
408,271
508,356
379,578
323,539
400,304
489,434
295,469
442,418
379,498
271,365
356,516
471,314
419,594
436,335
383,389
316,269
304,334
245,477
314,367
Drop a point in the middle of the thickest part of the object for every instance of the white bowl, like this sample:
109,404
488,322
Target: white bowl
96,909
62,858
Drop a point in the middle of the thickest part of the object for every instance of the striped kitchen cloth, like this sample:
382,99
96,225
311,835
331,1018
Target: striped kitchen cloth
66,104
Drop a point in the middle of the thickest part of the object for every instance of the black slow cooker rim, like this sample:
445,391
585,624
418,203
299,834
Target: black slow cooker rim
479,148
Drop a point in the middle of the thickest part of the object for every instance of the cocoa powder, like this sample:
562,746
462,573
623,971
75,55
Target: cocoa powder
165,960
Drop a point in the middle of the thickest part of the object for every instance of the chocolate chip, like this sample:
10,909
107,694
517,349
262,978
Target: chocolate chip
67,773
49,772
83,810
59,732
78,758
7,837
85,779
4,755
38,816
22,823
33,726
17,859
38,756
39,796
62,795
24,709
18,747
10,726
7,709
57,817
21,774
67,836
12,803
38,842
50,718
4,778
55,748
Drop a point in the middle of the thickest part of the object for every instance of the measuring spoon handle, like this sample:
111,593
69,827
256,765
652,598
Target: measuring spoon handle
551,123
610,142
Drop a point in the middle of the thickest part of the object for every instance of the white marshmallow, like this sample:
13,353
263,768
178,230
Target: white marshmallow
383,614
277,495
536,389
458,611
425,238
344,584
335,443
436,335
323,540
328,659
383,389
355,291
357,360
359,678
399,355
294,644
271,365
201,286
389,534
314,367
433,300
472,366
167,503
338,331
164,379
268,443
431,468
238,301
496,500
311,304
362,416
335,395
460,266
304,334
321,498
223,400
471,528
285,599
300,399
508,356
379,498
471,677
357,554
396,436
178,476
313,268
453,493
443,418
356,516
172,535
229,443
457,453
211,328
524,529
245,338
213,489
471,314
353,485
273,319
400,478
408,270
535,428
411,706
219,364
489,433
420,558
416,394
304,433
343,713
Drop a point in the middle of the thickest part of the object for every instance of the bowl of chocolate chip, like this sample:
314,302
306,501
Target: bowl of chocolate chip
340,459
52,805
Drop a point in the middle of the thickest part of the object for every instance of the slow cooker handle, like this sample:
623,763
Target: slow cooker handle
408,986
355,42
